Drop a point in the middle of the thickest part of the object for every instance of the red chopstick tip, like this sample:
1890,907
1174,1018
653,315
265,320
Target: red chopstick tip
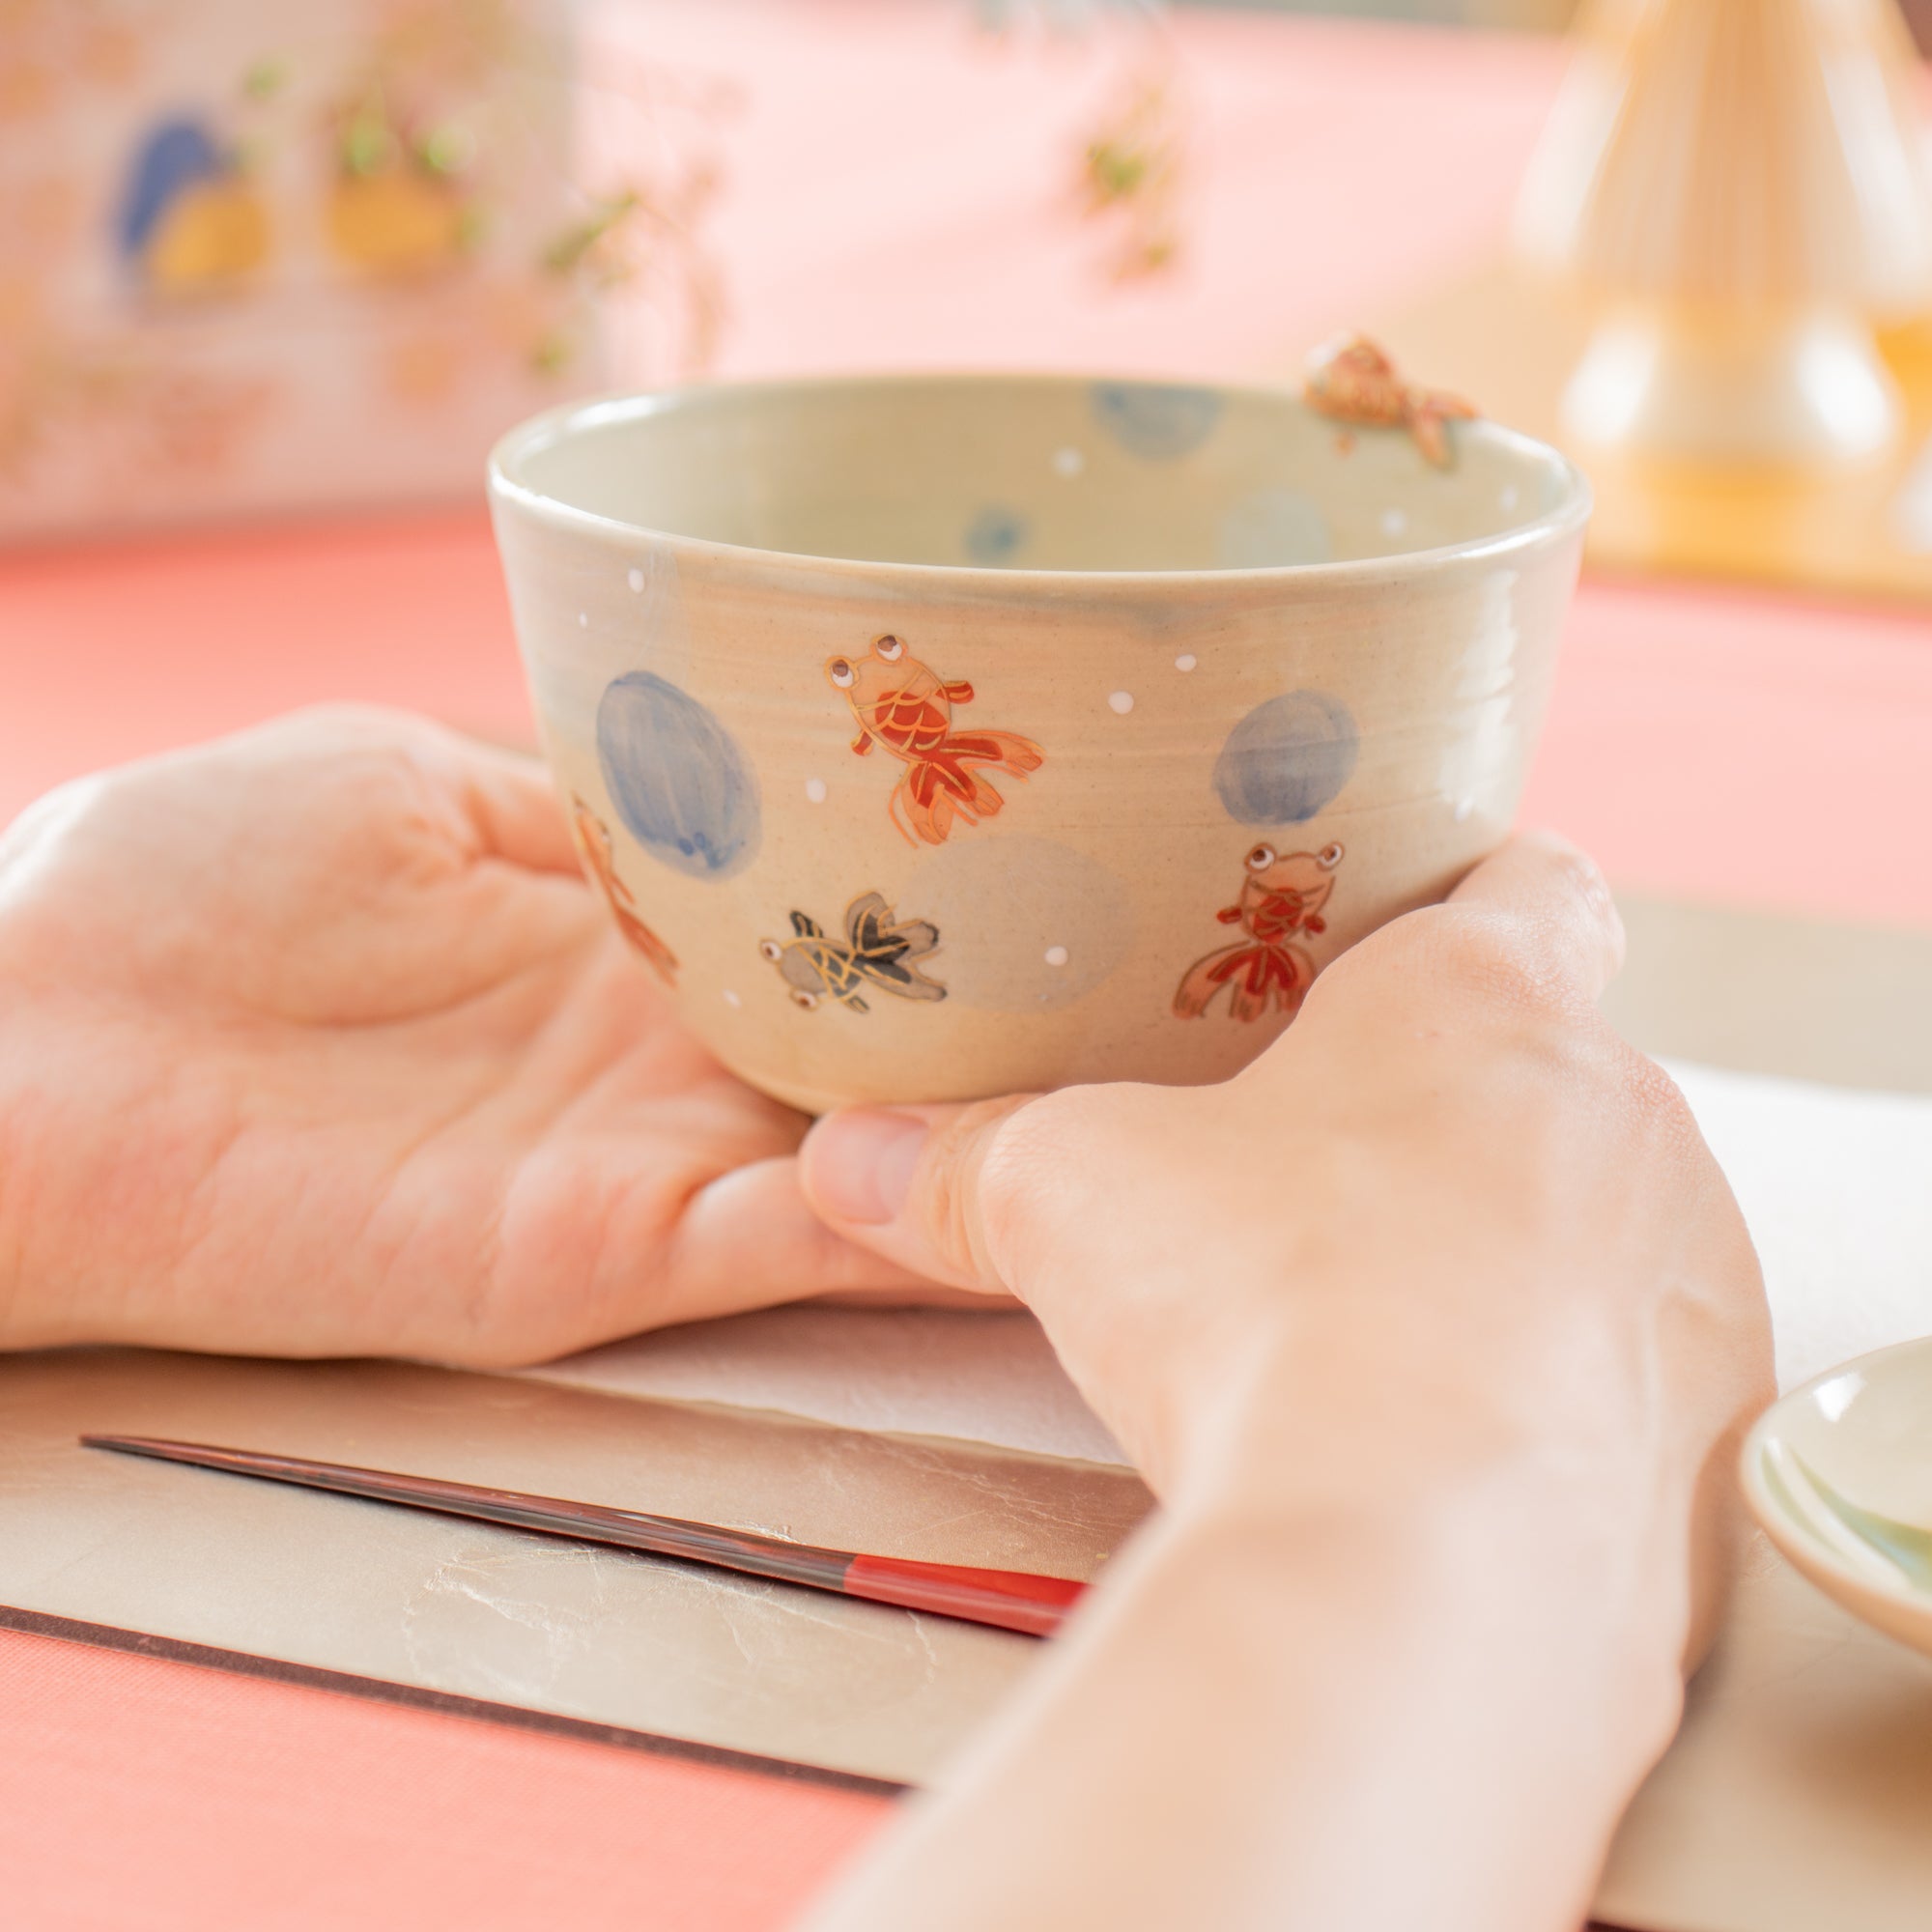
1013,1600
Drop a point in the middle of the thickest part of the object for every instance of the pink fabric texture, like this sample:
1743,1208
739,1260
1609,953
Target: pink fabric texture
898,197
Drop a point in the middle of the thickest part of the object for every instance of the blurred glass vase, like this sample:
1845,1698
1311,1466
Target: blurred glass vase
1737,187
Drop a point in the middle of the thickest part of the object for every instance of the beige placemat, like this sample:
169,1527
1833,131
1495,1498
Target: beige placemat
1816,1000
1797,1797
507,1621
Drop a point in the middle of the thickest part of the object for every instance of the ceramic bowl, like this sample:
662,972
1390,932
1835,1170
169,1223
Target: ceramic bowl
1839,1473
940,737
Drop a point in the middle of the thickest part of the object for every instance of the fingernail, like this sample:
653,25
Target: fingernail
862,1163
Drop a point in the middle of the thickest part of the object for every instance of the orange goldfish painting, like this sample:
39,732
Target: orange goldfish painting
593,840
1279,896
907,708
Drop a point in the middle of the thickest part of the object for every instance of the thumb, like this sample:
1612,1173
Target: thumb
920,1185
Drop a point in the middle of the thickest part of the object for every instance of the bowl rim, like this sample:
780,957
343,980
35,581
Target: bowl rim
551,426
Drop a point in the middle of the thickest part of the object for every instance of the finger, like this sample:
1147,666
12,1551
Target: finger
746,1240
910,1184
513,803
1561,919
749,1240
499,804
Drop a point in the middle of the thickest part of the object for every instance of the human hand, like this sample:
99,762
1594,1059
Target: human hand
1434,1329
1448,1207
314,1041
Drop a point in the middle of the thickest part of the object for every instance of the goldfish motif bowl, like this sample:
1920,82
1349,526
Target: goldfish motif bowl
937,737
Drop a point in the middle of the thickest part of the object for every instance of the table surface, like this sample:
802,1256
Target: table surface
1712,744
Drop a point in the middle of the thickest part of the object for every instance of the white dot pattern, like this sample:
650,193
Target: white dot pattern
1056,955
815,790
1122,701
1186,661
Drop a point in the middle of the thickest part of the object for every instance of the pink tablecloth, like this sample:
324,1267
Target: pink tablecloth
143,1796
896,199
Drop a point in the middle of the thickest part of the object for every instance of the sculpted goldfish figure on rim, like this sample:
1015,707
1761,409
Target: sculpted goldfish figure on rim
1353,381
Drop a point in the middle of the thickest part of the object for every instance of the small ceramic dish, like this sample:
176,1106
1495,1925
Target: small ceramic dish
940,737
1839,1473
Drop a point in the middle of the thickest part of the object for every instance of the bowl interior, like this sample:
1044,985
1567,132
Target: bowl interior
1866,1430
1840,1473
1032,473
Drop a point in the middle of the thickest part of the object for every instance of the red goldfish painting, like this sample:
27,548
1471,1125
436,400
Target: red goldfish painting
593,840
903,706
1280,898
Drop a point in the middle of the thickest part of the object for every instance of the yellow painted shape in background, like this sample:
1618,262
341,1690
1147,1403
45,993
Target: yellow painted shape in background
394,223
211,233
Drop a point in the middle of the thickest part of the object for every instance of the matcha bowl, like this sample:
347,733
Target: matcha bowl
935,737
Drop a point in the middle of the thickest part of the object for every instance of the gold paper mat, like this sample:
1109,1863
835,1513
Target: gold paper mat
1510,343
491,1619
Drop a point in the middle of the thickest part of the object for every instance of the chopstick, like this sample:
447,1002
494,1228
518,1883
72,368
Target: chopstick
1013,1600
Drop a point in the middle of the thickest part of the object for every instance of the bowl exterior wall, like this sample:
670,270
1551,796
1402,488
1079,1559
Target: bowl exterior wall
1061,790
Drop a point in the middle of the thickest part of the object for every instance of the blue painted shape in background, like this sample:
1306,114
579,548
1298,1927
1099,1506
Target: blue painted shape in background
1287,759
1158,420
175,156
677,777
996,535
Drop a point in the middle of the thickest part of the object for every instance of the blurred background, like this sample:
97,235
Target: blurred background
238,241
1523,14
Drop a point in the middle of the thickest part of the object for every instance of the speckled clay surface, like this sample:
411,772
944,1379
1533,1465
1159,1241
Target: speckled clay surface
1166,695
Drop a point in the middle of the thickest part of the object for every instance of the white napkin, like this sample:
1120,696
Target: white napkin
909,1371
1836,1188
1835,1185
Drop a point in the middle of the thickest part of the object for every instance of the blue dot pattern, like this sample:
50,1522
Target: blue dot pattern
1287,759
996,536
1158,420
677,777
